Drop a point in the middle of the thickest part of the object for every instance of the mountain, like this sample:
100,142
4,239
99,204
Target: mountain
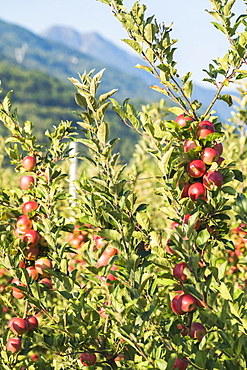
106,52
31,51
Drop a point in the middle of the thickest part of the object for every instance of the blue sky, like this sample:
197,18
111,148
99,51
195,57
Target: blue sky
199,41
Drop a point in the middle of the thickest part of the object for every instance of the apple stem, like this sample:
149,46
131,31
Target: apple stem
25,310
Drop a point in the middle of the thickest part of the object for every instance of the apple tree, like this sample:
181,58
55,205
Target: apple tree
138,274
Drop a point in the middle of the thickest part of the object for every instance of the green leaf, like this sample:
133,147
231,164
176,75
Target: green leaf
203,237
188,87
201,358
103,132
228,190
134,45
227,98
104,97
161,364
176,110
224,292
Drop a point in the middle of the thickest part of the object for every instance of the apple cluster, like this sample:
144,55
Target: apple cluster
200,176
35,261
19,326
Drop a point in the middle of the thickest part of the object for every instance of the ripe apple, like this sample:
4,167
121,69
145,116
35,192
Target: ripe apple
209,155
180,364
175,305
26,182
43,264
29,206
196,168
32,322
34,357
32,238
18,326
219,148
178,271
23,223
13,345
31,253
111,276
106,256
29,163
211,179
184,330
47,282
197,330
186,302
17,293
184,193
183,120
189,144
32,272
197,191
204,129
87,359
19,234
220,160
186,221
168,248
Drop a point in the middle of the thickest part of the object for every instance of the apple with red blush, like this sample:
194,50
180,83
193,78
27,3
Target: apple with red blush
18,326
178,271
180,364
197,330
29,207
189,144
204,129
42,264
26,182
87,359
196,168
13,345
209,155
29,163
183,120
23,223
212,179
197,191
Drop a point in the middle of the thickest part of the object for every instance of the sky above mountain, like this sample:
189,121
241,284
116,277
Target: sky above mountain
199,41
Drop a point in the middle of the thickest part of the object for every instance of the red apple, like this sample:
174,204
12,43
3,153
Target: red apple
22,264
31,253
19,234
219,148
175,305
220,160
178,271
47,282
34,357
196,168
29,163
26,182
32,322
186,303
180,364
184,193
29,206
212,179
168,248
111,276
183,120
18,326
32,238
204,129
209,155
184,330
32,272
197,191
87,359
189,144
197,330
43,264
106,256
17,293
23,223
13,345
